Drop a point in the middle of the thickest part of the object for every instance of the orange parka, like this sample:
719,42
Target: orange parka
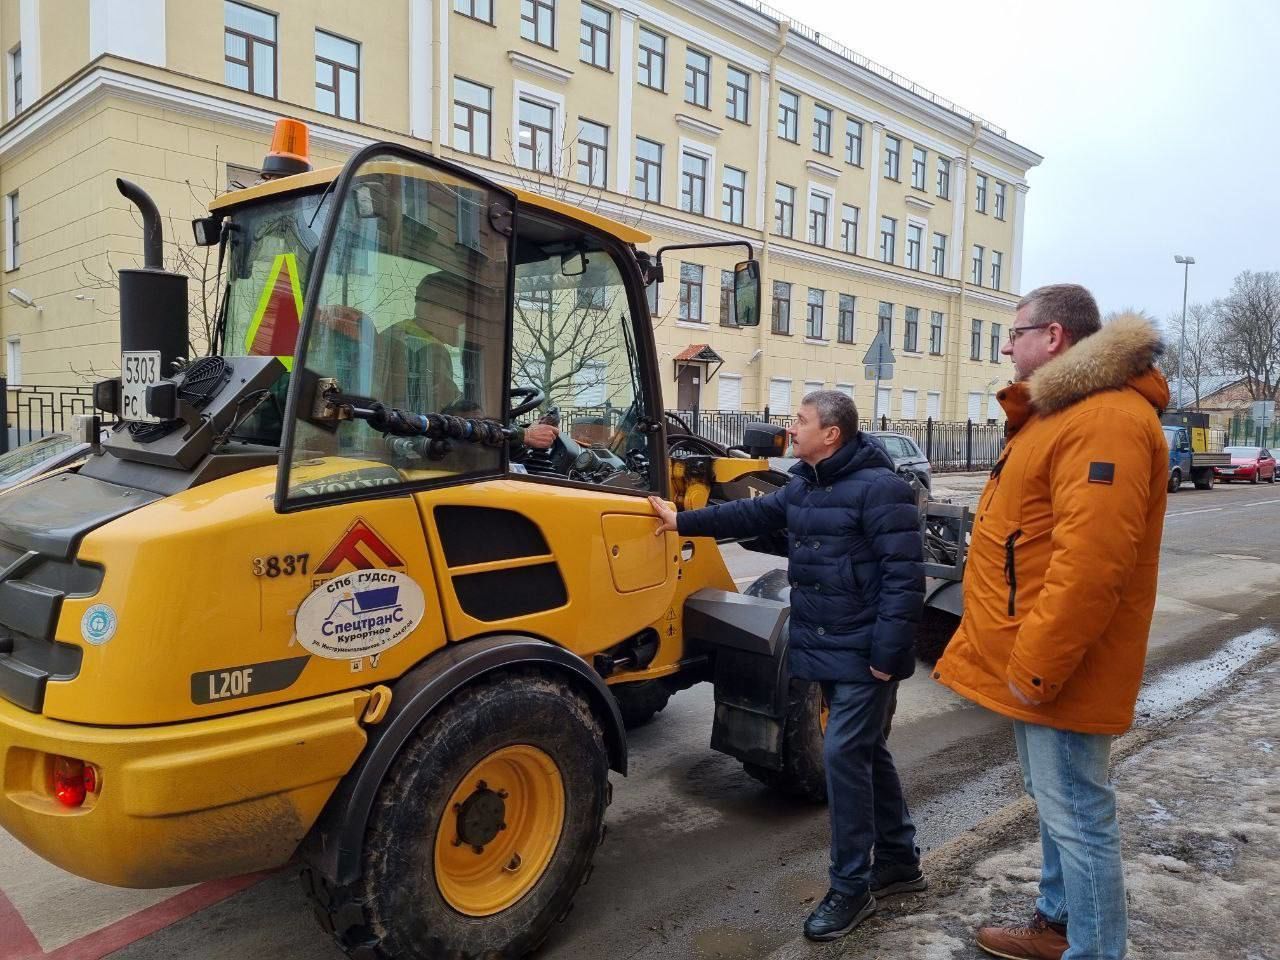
1060,582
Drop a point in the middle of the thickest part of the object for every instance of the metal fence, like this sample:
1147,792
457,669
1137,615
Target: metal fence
950,447
31,412
1247,432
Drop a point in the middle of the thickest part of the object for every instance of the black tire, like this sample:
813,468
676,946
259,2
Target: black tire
1254,479
1175,481
640,702
396,909
936,629
804,772
1205,480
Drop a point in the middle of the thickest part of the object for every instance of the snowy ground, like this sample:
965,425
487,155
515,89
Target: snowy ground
1200,819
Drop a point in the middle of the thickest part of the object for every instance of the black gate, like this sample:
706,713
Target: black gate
32,412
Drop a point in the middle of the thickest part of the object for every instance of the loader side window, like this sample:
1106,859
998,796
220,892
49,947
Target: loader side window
411,314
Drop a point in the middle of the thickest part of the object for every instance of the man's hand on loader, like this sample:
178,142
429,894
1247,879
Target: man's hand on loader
666,516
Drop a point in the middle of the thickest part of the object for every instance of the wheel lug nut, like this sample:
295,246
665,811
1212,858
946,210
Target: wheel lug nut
502,794
482,785
514,863
477,849
502,826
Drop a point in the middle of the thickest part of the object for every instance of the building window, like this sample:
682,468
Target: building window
944,178
249,48
784,210
13,225
13,360
789,115
653,59
337,76
892,156
999,200
853,141
693,183
884,321
940,254
849,228
538,21
919,161
975,341
822,128
781,307
738,97
734,194
819,210
813,319
472,117
691,292
697,78
976,273
935,333
845,318
888,237
915,241
727,317
995,343
648,170
15,80
933,405
911,335
980,202
593,36
475,9
534,147
997,268
593,152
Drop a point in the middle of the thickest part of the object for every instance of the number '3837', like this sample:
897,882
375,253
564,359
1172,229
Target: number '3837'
281,565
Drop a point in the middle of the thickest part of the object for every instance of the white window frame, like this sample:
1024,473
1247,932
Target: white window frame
913,395
779,380
548,98
829,195
727,379
884,403
923,225
13,359
933,405
707,153
810,386
975,404
12,58
11,259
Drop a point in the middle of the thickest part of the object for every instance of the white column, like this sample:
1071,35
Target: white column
420,69
959,200
442,124
873,217
763,206
1019,209
626,96
29,37
126,28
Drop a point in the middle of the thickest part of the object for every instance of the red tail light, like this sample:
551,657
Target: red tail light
72,781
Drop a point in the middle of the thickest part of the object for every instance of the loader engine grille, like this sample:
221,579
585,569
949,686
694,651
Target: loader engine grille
201,382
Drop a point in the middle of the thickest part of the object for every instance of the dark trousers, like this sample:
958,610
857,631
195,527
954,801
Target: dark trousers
869,816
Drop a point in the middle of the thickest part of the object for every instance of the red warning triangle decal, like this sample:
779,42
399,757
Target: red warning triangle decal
274,330
348,549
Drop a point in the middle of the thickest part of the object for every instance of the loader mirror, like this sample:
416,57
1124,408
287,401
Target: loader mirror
207,230
746,293
573,264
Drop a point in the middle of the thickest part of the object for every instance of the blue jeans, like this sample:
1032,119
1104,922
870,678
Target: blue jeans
1082,878
864,795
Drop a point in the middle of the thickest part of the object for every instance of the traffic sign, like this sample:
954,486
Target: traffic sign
879,352
883,372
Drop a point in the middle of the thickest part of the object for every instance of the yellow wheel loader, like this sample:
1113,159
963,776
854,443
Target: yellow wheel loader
315,598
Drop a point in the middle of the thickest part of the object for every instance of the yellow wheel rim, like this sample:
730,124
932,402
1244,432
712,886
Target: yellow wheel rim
499,831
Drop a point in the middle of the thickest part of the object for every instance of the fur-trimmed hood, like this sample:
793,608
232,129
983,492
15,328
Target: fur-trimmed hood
1122,353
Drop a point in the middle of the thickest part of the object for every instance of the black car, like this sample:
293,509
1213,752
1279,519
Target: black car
39,457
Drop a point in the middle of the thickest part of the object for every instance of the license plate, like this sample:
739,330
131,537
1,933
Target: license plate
1226,469
138,370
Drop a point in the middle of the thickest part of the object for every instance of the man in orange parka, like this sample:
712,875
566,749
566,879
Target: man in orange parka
1058,596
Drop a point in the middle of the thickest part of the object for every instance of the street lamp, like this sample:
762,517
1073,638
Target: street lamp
1182,349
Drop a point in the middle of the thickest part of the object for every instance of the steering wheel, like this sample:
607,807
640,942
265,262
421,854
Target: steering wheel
533,399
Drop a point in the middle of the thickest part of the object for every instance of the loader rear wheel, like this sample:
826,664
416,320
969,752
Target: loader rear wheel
803,773
639,702
482,831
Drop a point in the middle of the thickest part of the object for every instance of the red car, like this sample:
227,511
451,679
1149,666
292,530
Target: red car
1248,463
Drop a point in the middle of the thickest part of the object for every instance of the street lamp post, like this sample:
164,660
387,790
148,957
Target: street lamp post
1182,348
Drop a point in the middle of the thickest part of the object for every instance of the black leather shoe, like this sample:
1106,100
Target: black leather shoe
894,878
837,915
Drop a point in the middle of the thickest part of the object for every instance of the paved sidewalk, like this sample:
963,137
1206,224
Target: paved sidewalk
1200,822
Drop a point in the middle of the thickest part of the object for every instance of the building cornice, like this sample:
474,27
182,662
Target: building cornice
539,68
911,200
822,170
698,126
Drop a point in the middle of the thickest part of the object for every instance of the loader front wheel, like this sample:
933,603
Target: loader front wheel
803,773
640,702
482,831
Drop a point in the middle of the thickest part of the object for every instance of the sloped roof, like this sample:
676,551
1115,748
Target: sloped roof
699,352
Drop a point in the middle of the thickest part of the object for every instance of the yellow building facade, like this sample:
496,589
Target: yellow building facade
872,204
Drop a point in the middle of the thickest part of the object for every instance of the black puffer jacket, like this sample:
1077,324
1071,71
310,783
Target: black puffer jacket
857,585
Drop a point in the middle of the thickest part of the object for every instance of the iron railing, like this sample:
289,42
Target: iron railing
31,412
1248,432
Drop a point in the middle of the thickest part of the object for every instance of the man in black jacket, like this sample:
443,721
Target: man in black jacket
857,589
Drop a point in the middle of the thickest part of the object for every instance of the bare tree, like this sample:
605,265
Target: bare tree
1202,341
1249,318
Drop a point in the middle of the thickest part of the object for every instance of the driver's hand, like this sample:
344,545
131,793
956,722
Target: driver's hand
540,436
666,516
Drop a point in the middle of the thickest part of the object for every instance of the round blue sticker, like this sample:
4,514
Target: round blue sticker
98,625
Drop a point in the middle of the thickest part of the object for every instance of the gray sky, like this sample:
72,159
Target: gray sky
1159,124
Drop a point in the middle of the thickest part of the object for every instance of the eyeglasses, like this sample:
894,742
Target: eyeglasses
1015,332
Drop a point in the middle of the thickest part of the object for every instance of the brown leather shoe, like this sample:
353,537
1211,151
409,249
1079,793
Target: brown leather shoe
1040,940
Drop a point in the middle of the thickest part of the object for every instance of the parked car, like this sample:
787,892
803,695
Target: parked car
38,457
1248,463
905,453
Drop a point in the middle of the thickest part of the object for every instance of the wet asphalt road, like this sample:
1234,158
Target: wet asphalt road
702,862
